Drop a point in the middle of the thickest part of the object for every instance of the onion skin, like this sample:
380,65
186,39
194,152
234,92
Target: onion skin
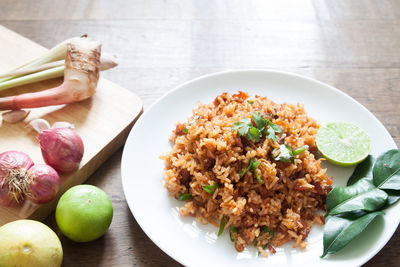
6,199
62,148
44,183
12,160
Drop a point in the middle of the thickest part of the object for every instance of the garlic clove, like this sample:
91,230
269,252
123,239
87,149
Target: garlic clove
15,116
39,125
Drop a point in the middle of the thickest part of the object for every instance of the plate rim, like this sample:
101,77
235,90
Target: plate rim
228,72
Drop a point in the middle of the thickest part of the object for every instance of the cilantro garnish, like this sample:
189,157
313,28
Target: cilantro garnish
185,130
210,188
246,128
286,154
250,102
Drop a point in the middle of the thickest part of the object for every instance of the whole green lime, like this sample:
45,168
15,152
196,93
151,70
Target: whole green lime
84,213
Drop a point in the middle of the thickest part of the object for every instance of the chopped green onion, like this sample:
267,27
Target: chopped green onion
183,197
265,229
210,188
222,225
250,102
299,150
247,169
232,230
254,167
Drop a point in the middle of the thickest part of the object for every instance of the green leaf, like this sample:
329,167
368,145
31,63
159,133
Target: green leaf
259,120
274,126
299,150
340,230
250,102
222,225
185,130
242,126
362,195
247,169
386,171
393,197
364,169
183,197
254,134
210,188
232,230
271,134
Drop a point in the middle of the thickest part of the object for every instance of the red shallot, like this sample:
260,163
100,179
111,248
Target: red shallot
62,148
20,178
13,177
44,183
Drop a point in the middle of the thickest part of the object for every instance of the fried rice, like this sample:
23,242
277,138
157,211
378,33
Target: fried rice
207,154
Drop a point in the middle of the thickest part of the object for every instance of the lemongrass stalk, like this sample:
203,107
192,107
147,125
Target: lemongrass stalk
29,70
56,53
34,77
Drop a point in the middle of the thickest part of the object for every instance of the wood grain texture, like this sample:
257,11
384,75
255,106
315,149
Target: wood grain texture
103,122
350,44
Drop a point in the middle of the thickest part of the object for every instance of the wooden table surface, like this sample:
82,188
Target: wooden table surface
352,45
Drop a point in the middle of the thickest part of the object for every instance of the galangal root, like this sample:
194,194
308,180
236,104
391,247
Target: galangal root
81,76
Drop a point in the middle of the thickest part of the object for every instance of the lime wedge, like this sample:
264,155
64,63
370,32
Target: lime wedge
343,143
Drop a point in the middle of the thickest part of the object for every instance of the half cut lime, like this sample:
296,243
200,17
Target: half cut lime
343,143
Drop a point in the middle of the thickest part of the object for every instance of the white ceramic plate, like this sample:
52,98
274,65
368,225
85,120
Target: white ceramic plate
193,244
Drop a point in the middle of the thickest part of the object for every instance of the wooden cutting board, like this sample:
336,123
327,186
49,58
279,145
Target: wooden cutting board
102,121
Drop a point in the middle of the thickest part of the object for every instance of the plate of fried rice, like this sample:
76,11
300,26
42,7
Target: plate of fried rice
206,185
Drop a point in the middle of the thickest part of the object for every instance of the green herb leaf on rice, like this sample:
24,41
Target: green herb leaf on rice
254,134
245,128
386,170
183,197
210,188
259,121
275,127
340,230
362,195
222,225
271,134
